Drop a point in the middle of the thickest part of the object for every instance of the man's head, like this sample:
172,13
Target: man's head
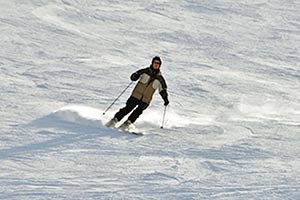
156,62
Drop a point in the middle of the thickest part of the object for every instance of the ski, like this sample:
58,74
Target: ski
108,125
131,132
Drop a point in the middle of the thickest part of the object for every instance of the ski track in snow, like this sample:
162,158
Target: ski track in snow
232,128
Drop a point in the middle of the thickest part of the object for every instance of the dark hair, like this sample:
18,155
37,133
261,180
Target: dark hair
156,58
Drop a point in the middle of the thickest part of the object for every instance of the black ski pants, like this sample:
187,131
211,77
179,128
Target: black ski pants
131,103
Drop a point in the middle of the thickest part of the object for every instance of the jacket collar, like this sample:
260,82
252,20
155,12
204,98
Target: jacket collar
153,71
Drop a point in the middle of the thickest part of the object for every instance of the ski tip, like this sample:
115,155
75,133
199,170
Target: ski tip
137,133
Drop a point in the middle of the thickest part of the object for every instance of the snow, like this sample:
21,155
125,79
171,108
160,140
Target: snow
232,127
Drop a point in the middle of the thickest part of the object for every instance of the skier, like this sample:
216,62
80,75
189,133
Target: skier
150,79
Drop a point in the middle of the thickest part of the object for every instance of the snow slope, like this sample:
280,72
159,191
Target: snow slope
232,128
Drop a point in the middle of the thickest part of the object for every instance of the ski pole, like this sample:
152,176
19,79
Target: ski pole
117,98
163,120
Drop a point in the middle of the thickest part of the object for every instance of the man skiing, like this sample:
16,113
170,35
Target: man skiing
149,80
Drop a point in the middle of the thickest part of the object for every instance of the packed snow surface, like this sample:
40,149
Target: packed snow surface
232,129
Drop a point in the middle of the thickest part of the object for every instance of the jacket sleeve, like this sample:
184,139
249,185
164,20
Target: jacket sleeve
136,75
164,95
163,92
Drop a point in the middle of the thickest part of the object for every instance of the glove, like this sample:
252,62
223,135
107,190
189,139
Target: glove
166,102
134,77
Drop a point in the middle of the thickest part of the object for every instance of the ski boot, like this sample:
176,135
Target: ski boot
126,125
112,123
